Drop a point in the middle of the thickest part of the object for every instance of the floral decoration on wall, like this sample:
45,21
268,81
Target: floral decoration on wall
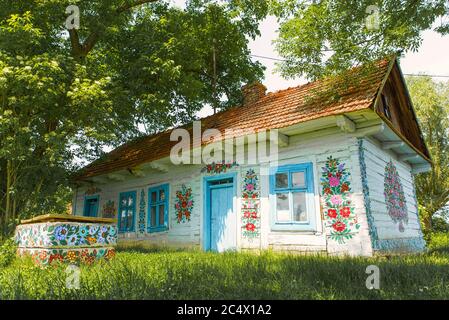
183,204
339,212
92,190
219,167
394,196
142,212
109,210
250,205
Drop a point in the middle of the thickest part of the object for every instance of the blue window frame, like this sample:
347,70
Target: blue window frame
158,208
292,197
91,206
127,211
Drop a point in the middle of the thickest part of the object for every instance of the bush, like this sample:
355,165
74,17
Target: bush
439,242
7,252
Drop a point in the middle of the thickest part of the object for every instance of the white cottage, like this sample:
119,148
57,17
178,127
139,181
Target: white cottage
323,167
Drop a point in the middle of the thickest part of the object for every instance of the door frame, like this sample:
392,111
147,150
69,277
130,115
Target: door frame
206,208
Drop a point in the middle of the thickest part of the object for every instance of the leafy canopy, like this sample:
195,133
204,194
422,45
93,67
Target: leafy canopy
64,94
319,38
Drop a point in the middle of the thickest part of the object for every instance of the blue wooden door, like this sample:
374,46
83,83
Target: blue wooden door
223,219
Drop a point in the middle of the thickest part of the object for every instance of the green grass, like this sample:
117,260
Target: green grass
151,274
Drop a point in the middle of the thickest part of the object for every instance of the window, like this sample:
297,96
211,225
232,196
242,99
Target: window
292,197
127,211
91,206
158,208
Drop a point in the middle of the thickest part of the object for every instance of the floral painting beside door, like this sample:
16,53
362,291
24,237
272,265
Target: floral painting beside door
250,205
338,209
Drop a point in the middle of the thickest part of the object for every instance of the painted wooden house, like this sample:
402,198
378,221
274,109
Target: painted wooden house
342,182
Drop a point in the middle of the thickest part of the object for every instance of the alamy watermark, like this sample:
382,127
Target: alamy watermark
232,145
373,280
73,20
72,280
372,21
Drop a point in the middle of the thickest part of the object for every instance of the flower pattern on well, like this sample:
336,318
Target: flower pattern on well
394,196
65,234
72,256
340,216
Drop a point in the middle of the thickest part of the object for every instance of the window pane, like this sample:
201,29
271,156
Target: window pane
298,180
153,216
281,180
129,221
161,195
161,214
153,196
299,206
282,207
130,201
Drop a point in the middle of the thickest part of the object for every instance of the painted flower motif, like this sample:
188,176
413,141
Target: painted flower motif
93,229
72,240
334,181
336,199
91,240
332,213
336,193
61,233
250,205
184,204
250,227
345,212
394,196
83,231
71,256
250,187
339,226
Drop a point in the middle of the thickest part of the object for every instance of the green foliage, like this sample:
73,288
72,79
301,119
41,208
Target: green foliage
199,275
439,242
319,38
431,103
7,252
65,94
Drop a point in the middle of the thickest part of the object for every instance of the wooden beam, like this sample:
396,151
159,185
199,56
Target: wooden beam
282,139
418,168
137,172
408,156
99,179
345,124
116,176
392,144
158,166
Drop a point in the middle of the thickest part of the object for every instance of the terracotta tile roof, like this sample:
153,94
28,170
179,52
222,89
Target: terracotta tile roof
352,91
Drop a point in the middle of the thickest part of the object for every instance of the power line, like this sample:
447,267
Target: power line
426,75
406,74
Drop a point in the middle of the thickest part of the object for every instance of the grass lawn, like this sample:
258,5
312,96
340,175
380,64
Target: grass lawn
145,274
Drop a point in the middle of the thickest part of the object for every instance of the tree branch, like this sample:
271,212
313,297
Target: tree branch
81,50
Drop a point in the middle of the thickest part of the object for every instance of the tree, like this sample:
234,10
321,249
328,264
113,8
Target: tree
319,38
64,94
431,102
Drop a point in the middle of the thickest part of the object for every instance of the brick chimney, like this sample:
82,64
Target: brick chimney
253,92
